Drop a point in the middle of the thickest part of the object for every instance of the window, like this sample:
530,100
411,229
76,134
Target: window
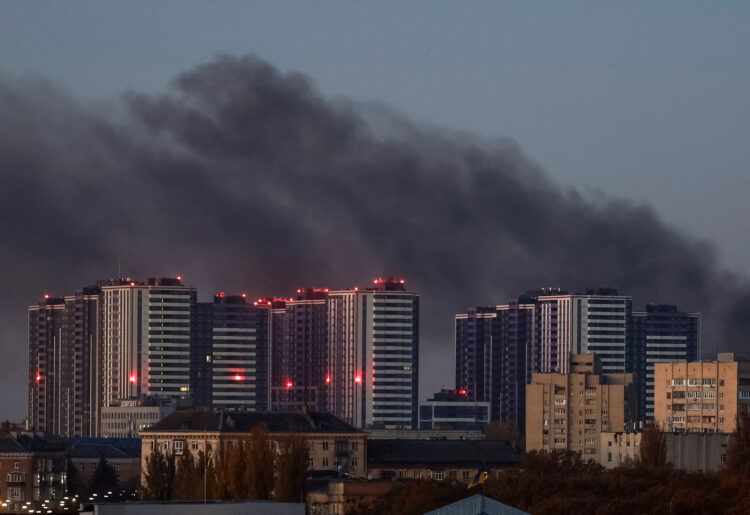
401,474
178,445
15,494
709,382
438,475
354,462
15,477
16,465
194,446
325,462
694,382
709,394
609,455
354,446
678,381
325,446
465,475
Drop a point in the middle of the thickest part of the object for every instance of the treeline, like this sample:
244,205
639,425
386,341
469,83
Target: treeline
249,469
561,482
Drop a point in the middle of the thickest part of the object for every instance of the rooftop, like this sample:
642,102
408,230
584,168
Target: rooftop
492,452
27,443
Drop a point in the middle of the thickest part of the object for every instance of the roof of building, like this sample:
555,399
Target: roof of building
108,451
27,443
491,452
477,504
243,421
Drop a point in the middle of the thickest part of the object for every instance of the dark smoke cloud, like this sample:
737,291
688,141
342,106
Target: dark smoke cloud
243,178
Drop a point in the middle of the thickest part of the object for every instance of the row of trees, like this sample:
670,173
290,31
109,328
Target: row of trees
247,469
561,482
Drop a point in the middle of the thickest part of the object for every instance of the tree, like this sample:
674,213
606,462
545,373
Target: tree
653,446
259,458
291,480
156,477
738,452
104,479
235,473
187,478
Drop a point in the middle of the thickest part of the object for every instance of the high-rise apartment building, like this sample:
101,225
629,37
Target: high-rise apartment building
702,396
497,349
51,395
570,411
147,334
299,348
660,334
371,373
239,354
597,321
476,331
83,309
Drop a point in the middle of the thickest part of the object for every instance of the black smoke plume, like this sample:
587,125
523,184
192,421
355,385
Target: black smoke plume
243,178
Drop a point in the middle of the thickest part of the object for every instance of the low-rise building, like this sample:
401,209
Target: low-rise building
450,409
424,434
618,448
697,451
702,396
457,460
129,417
123,456
332,442
31,469
341,496
570,411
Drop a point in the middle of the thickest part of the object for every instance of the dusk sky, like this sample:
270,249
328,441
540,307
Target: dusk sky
477,149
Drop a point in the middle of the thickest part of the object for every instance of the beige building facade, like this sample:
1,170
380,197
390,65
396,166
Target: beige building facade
570,411
332,443
619,448
702,396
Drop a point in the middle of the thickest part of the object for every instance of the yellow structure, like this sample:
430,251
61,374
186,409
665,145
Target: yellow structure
569,411
702,396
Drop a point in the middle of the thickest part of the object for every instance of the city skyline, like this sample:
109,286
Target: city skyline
286,160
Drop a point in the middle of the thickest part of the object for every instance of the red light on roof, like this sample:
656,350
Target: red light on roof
358,378
299,290
402,281
462,392
179,278
132,284
244,295
269,302
289,384
46,295
328,379
356,288
132,377
255,303
221,294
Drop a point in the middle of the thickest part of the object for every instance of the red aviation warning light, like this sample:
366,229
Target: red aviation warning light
133,377
222,294
289,384
462,392
238,377
38,377
179,278
46,296
328,378
358,378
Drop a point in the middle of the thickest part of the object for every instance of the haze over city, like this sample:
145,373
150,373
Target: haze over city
476,152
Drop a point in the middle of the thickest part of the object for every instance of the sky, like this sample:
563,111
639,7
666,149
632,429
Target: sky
639,101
